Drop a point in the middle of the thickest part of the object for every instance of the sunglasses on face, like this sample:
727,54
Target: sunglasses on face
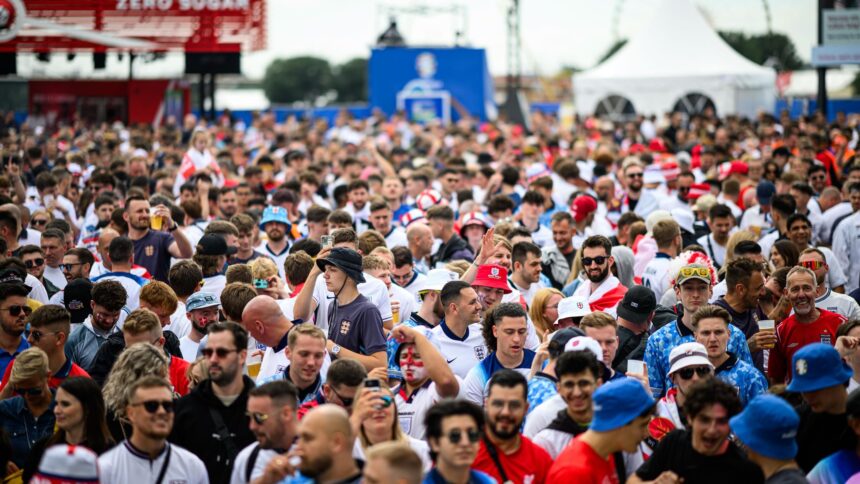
37,335
683,189
687,373
813,264
635,175
456,434
38,222
817,178
32,392
599,260
221,352
17,310
347,402
151,406
694,271
68,267
259,418
30,264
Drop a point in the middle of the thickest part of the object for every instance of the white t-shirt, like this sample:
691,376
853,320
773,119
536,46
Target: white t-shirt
407,302
179,325
715,251
240,464
278,258
461,354
130,282
543,415
117,465
214,284
37,289
373,289
55,275
189,348
656,274
34,202
839,304
412,410
396,237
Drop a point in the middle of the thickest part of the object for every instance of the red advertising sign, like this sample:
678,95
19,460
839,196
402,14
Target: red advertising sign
140,25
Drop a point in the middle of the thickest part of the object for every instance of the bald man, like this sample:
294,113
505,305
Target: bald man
325,447
265,322
420,240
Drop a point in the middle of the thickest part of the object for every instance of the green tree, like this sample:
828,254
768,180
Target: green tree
773,49
297,79
350,80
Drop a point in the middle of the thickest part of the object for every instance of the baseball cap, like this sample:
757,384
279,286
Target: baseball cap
573,307
582,206
764,192
558,340
768,426
619,402
637,305
275,214
817,366
693,271
705,202
67,464
436,280
213,244
347,260
688,354
492,275
585,343
200,300
76,298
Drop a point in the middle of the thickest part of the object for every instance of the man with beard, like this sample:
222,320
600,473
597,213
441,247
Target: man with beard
745,282
807,325
427,378
721,221
604,292
272,408
557,259
692,283
108,305
146,455
227,203
636,199
154,248
815,260
13,319
800,233
505,454
276,225
202,310
76,264
685,181
216,407
505,333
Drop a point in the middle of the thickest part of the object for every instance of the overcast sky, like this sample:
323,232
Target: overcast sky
555,33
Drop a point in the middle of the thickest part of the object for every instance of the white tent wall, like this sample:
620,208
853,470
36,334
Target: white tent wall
655,69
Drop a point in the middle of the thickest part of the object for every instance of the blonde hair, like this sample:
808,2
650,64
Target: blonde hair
374,262
30,363
397,434
141,321
577,267
539,303
263,268
137,361
383,252
305,329
189,373
458,266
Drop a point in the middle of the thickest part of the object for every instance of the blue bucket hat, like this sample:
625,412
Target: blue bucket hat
817,366
200,300
768,426
618,403
275,214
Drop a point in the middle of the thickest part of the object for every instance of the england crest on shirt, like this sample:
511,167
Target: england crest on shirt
480,352
344,327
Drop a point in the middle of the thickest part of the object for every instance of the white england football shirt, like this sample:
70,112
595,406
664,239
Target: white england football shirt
656,274
462,354
119,464
411,409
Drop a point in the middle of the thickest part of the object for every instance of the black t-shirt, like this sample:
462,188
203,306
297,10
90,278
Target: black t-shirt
151,252
819,435
675,453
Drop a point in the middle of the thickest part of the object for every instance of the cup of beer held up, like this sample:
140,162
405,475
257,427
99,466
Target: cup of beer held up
155,221
767,325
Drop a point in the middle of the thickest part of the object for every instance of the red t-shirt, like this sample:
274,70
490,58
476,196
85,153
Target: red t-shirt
68,370
792,335
579,463
530,463
178,375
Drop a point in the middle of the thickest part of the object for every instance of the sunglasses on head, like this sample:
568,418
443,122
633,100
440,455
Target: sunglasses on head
151,406
687,373
813,264
259,418
472,434
34,263
17,310
694,271
221,352
33,392
599,260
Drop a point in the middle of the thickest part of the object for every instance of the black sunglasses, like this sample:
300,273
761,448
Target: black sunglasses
34,263
37,335
16,310
599,260
221,352
347,402
151,406
687,373
472,434
635,175
39,222
33,392
68,267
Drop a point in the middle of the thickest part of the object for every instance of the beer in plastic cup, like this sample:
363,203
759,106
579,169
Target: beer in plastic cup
254,369
768,325
395,316
155,221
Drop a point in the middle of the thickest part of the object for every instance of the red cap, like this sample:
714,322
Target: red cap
735,167
697,190
582,206
494,276
657,145
636,148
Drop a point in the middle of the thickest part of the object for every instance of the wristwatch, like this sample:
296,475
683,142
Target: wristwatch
175,226
335,350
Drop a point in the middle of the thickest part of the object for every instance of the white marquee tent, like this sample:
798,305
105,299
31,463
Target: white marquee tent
677,61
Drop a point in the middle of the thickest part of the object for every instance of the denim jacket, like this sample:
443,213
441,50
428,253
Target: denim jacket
22,428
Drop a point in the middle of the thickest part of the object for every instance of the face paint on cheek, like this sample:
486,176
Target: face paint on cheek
412,368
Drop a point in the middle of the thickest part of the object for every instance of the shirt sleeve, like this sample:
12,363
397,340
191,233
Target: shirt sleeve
739,346
473,386
372,337
654,366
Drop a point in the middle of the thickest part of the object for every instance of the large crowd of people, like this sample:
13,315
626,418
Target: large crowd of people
664,299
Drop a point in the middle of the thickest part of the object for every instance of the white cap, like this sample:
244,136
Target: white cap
654,217
68,463
585,343
573,307
436,280
684,217
688,354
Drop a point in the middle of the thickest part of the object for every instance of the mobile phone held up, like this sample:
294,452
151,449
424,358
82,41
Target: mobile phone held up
261,284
